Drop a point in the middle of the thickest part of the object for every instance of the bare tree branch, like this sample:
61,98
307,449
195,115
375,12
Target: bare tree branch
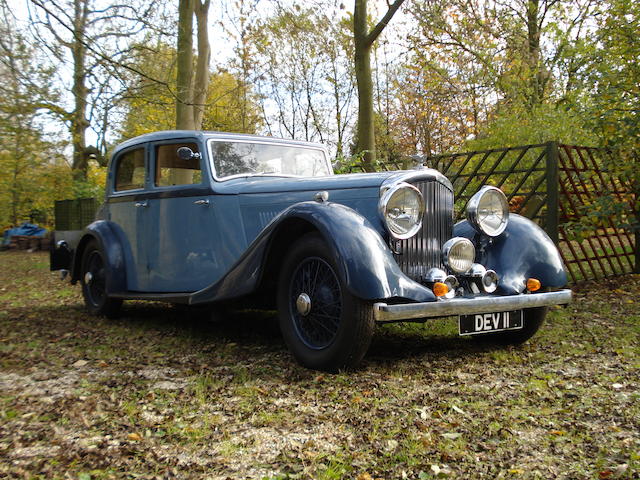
377,30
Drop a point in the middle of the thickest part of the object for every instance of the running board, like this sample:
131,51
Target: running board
179,297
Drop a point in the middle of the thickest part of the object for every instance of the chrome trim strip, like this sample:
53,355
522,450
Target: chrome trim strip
466,306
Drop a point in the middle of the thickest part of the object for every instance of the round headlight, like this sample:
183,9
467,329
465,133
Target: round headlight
458,254
488,211
401,208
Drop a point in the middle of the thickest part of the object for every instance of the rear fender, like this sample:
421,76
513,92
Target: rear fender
105,233
522,251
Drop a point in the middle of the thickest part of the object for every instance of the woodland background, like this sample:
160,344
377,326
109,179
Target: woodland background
79,76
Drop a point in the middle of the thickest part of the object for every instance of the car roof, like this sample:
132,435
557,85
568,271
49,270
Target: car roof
203,134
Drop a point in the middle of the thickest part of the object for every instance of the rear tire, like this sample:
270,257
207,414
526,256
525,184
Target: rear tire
323,324
532,319
93,277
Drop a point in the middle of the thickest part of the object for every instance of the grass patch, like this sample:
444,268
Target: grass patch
163,392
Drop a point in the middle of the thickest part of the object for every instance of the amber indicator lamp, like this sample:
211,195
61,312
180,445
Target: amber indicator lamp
533,284
440,289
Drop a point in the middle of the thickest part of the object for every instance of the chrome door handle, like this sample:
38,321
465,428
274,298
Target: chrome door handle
142,204
201,202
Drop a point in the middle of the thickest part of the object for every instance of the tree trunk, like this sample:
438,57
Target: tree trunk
184,92
636,216
536,73
79,122
191,94
244,65
363,43
336,99
15,193
366,141
636,266
202,67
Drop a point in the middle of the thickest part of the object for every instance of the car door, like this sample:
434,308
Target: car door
183,235
128,209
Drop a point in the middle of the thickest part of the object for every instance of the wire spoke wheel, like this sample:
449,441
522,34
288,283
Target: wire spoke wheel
95,278
315,303
324,325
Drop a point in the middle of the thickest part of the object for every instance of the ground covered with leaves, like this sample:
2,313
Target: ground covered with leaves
164,392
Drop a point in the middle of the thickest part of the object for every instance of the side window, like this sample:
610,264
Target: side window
130,170
172,170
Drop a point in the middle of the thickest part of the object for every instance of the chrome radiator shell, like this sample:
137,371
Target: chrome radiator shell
416,255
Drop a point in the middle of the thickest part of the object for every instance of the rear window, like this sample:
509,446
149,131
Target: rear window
130,170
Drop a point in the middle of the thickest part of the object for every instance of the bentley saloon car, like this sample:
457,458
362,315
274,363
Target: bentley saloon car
202,218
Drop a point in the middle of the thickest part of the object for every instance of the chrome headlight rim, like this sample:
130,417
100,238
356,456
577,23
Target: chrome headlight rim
384,201
449,245
473,214
490,281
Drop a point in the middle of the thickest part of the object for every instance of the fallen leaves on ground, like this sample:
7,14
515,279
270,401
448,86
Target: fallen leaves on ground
163,393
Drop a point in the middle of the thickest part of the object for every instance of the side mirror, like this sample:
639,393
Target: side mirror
185,153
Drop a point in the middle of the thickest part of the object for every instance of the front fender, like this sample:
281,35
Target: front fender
367,264
522,251
105,233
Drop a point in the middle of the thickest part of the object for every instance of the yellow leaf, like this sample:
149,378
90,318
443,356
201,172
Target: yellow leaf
134,437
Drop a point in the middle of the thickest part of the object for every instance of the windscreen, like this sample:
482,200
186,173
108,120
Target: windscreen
243,158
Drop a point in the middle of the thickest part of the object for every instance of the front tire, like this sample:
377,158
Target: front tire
93,276
323,324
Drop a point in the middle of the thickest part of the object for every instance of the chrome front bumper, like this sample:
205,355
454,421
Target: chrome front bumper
467,306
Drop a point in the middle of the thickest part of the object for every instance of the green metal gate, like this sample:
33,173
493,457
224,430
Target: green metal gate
594,203
553,185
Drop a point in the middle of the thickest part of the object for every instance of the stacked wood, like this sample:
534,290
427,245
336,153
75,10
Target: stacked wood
31,243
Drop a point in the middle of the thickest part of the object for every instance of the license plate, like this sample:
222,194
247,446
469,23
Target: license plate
490,322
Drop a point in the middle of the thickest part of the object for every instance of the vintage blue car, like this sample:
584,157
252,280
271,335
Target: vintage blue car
201,218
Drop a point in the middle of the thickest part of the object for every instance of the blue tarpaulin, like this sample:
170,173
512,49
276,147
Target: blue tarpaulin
25,229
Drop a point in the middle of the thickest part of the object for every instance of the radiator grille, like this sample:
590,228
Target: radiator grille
421,252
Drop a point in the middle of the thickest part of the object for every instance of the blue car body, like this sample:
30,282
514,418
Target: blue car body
218,238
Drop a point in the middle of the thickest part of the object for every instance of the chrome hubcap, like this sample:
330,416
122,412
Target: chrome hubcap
303,304
88,277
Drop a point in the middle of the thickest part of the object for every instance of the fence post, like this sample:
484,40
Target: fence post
551,226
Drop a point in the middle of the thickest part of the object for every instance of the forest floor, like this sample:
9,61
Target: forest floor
164,393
